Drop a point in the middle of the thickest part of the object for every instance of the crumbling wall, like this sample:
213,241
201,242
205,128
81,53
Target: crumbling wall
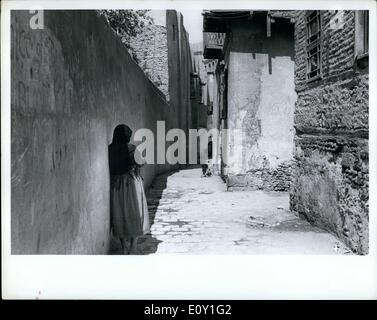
265,178
330,181
261,99
72,83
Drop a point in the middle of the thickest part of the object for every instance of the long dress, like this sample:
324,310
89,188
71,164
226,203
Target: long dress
128,205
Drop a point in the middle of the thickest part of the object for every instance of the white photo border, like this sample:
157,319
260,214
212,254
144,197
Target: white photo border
186,276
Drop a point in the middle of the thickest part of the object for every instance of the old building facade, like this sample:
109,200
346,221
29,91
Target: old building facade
199,114
296,84
209,111
254,95
330,183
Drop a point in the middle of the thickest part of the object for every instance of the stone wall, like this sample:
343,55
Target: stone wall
261,100
151,50
276,179
71,84
330,182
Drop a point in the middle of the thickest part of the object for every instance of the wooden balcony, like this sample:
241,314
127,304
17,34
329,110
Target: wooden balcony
213,45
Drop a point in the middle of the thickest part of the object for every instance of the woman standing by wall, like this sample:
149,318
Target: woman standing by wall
128,206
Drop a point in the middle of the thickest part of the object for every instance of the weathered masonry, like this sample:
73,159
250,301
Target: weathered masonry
330,183
255,95
163,52
72,83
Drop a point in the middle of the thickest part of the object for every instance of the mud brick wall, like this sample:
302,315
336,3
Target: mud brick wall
330,179
72,83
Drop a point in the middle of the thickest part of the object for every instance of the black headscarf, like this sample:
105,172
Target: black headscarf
119,158
122,134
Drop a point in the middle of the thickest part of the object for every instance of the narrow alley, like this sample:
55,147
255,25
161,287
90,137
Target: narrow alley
286,157
190,214
241,136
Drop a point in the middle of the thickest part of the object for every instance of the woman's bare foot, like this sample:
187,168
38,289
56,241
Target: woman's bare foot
125,249
133,247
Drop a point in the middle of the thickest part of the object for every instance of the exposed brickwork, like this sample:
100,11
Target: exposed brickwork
339,106
281,177
265,178
337,45
330,180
